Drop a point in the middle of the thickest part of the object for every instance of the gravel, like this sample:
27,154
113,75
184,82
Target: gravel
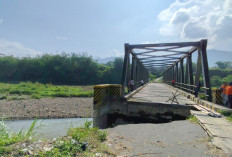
46,108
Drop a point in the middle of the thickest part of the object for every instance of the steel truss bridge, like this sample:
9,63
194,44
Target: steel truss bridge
176,58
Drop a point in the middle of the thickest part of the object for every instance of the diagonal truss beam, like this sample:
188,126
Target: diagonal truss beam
180,44
159,57
164,49
162,56
145,52
159,62
156,64
160,50
166,59
177,53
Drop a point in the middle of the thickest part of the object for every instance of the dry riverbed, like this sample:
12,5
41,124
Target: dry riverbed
46,108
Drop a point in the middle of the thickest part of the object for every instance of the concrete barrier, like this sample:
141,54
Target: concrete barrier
103,96
217,97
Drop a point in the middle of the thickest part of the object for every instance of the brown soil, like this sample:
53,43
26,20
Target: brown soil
47,108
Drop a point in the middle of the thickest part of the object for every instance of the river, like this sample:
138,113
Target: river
48,128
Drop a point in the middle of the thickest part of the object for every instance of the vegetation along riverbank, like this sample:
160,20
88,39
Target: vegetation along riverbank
81,141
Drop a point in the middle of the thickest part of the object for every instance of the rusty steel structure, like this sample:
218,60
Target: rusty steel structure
170,56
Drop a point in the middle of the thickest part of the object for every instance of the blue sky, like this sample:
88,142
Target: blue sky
100,28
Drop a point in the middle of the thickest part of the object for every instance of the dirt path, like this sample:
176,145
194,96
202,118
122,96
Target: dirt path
178,138
47,108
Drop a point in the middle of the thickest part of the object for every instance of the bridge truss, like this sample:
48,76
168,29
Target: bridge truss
172,57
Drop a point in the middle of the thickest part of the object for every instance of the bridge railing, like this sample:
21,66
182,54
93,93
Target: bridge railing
183,75
216,93
188,88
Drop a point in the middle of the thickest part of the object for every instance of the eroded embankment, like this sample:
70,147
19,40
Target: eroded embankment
46,108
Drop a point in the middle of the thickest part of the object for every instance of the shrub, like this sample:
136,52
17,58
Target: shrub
3,97
35,96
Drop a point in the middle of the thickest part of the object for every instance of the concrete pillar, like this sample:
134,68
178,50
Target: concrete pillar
103,95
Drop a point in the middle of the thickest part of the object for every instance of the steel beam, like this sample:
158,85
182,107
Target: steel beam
186,78
177,76
153,61
180,44
137,72
125,65
205,69
168,59
133,68
181,72
155,49
198,69
156,64
190,66
145,52
162,56
173,73
151,56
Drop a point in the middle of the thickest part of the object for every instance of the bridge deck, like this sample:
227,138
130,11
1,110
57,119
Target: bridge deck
159,93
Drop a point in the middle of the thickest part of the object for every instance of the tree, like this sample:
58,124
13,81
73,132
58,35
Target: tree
227,79
224,65
216,81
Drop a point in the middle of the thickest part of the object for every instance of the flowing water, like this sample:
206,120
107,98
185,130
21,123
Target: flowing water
48,128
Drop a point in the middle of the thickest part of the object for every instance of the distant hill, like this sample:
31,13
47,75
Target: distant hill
213,57
218,55
105,60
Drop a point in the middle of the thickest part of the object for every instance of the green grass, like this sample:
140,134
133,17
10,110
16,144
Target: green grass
7,139
38,90
201,96
193,119
227,114
82,141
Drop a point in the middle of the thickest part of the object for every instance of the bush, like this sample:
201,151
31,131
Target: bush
80,141
35,96
60,94
3,97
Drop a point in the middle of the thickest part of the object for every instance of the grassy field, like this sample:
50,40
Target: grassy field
26,90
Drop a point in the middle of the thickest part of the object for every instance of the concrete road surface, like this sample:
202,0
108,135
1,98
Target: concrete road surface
177,138
158,92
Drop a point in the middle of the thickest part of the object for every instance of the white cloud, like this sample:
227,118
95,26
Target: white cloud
61,38
9,48
197,19
147,42
118,53
1,20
